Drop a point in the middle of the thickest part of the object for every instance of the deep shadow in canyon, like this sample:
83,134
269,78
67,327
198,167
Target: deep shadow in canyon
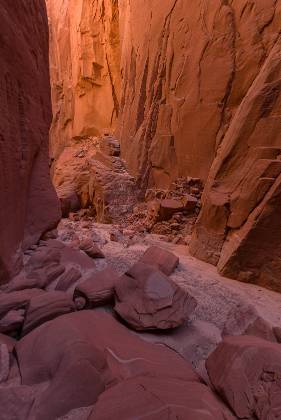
140,174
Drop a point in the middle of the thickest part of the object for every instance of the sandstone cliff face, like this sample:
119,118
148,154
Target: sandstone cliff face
29,205
199,97
85,77
184,78
239,225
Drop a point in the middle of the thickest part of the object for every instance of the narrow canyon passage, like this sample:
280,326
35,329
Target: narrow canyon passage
140,229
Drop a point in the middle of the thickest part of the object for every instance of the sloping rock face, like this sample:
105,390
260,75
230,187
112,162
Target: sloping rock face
184,79
29,206
85,73
240,219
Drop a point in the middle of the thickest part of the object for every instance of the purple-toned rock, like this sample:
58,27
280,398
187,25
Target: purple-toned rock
99,289
160,258
246,372
46,307
12,321
147,299
9,341
17,300
78,355
68,279
91,249
152,398
16,402
4,363
277,333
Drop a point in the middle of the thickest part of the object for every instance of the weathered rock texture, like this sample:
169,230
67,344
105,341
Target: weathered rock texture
84,68
240,220
200,97
29,206
185,77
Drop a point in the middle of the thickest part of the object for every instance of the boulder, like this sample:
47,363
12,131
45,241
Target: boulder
17,300
45,307
160,258
246,372
67,279
100,353
99,289
152,398
189,202
12,321
91,249
147,299
168,207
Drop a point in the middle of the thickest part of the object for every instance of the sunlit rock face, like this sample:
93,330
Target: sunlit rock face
85,75
239,225
191,90
28,204
186,68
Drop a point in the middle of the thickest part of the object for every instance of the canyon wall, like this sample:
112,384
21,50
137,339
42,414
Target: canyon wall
195,89
85,75
29,205
184,78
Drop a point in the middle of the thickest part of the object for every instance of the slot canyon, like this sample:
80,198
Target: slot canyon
140,217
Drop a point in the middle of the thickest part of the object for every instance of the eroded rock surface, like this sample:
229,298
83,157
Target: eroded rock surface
246,371
29,206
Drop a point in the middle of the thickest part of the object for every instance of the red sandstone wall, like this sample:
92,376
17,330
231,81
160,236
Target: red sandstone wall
28,204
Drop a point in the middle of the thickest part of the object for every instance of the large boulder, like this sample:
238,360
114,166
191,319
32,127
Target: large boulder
246,372
79,354
147,299
153,399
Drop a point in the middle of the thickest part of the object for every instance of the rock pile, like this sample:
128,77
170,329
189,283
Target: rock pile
77,358
171,213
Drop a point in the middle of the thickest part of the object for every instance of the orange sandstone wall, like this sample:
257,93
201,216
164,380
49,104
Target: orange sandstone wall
85,74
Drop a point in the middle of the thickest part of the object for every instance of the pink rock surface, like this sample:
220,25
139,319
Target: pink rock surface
245,371
100,352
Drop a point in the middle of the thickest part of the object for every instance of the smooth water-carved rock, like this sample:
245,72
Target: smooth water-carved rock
46,307
147,299
29,206
100,352
99,289
67,279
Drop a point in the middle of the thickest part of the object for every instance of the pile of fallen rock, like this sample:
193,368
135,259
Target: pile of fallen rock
170,213
71,346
